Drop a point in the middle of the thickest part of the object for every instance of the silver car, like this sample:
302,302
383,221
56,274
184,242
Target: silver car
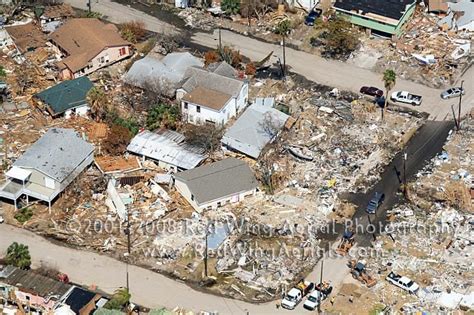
452,92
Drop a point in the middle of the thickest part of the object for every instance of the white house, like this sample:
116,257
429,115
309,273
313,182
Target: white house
48,166
213,185
212,96
86,45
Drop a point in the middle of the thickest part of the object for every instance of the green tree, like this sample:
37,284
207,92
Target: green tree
340,38
163,115
119,300
230,6
389,80
97,102
3,73
18,255
283,29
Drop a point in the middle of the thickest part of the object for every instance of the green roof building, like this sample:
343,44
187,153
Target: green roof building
67,97
386,18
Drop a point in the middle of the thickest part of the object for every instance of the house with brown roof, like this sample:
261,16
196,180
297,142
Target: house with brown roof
212,95
87,45
27,37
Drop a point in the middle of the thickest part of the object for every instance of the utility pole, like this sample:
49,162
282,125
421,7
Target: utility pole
127,255
405,174
459,108
284,57
320,286
205,254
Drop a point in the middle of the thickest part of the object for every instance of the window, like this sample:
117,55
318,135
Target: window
101,60
185,105
198,108
192,197
122,51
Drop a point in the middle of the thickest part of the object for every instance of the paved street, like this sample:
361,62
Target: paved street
147,287
314,68
339,74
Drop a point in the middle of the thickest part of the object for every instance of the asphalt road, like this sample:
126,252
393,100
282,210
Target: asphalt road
424,145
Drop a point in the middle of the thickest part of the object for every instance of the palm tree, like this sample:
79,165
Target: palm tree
119,300
389,80
97,102
283,28
18,255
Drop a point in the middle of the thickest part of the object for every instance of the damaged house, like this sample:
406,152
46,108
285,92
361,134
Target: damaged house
386,18
67,98
161,76
460,16
167,148
212,96
255,128
26,37
87,45
213,185
48,166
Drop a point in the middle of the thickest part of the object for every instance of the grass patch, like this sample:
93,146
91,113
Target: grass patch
24,215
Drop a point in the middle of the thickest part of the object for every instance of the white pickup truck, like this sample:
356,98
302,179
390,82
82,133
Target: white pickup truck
296,294
403,282
406,97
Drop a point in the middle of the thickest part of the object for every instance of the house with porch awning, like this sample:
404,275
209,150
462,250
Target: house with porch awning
48,166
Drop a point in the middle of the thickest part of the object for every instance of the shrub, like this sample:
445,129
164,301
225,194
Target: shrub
24,215
18,255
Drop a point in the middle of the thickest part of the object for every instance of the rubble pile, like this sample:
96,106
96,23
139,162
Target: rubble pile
427,54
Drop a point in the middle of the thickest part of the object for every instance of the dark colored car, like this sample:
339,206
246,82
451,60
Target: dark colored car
312,16
371,90
375,202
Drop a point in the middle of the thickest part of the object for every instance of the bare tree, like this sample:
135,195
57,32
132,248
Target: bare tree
206,136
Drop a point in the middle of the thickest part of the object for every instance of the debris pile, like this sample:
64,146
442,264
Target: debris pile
427,54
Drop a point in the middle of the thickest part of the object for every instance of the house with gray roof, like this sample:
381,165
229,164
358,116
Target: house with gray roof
212,95
48,166
213,185
161,76
167,148
255,128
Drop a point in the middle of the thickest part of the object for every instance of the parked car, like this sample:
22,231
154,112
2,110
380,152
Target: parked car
371,90
452,92
1,219
403,282
312,16
375,202
406,97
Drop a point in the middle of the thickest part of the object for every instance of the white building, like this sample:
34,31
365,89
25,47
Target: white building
212,96
48,166
213,185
